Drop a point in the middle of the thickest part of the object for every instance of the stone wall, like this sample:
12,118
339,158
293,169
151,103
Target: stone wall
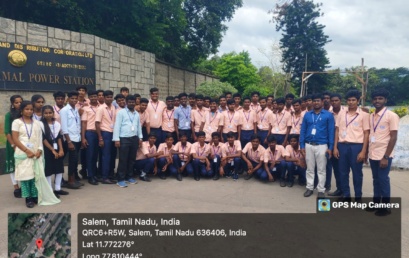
116,65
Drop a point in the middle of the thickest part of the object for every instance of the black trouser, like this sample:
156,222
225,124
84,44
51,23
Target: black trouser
127,153
73,159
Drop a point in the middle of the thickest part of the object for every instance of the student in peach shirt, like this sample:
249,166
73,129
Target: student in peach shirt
59,98
237,100
249,126
274,162
216,155
120,102
232,121
146,156
155,109
181,155
197,117
192,100
351,144
255,106
223,104
253,157
295,162
165,161
213,121
382,139
168,120
281,123
231,157
144,118
82,100
89,136
206,102
289,98
296,117
264,119
200,154
104,124
270,99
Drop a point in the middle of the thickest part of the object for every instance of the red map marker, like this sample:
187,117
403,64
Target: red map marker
39,243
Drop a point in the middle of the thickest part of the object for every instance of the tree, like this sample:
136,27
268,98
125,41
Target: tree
180,32
274,81
215,89
302,37
237,70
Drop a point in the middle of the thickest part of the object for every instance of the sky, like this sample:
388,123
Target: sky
376,30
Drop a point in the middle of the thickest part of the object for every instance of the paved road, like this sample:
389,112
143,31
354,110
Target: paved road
170,195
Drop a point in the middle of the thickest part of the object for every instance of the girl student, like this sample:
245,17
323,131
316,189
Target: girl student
38,103
53,150
27,136
15,102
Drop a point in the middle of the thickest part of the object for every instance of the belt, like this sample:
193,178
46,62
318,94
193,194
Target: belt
315,144
92,131
351,143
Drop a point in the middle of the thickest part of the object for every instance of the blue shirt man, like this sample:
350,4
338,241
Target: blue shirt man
316,143
182,117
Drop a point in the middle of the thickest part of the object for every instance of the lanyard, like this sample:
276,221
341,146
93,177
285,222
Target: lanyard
156,106
373,120
183,150
110,114
214,117
247,117
75,116
38,118
278,122
171,114
31,129
252,107
295,155
186,114
198,150
346,119
93,110
313,118
58,111
151,150
273,157
262,118
234,148
228,114
294,123
200,113
53,133
254,155
214,149
134,113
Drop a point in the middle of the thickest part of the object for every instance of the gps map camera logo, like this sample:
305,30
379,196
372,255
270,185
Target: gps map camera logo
324,205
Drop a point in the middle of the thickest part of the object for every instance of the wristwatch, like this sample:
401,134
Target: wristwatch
385,157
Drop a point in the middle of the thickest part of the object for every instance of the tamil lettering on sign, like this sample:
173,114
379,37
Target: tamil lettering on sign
34,68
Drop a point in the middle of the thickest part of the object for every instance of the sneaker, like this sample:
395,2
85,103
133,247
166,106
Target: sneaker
122,184
145,178
179,177
131,181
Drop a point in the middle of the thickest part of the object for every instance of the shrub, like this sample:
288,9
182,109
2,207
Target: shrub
401,111
215,89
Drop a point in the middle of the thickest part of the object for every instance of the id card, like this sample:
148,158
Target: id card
169,125
313,131
232,163
276,129
344,134
247,126
156,116
296,167
111,126
274,169
210,129
230,126
260,126
55,146
183,163
187,123
132,128
215,160
293,131
29,145
373,139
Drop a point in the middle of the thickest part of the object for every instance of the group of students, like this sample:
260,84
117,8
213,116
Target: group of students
271,139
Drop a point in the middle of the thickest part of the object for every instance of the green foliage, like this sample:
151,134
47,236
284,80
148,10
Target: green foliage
48,251
181,32
264,91
401,111
237,70
215,89
302,36
273,83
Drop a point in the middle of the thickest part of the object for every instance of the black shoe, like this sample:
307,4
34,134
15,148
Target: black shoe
75,185
358,199
145,178
321,195
57,196
17,193
216,177
327,189
383,212
308,193
336,193
77,177
98,179
64,183
197,178
112,178
92,181
290,184
370,209
107,182
282,183
301,183
61,192
162,176
179,177
34,200
248,176
29,203
83,173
